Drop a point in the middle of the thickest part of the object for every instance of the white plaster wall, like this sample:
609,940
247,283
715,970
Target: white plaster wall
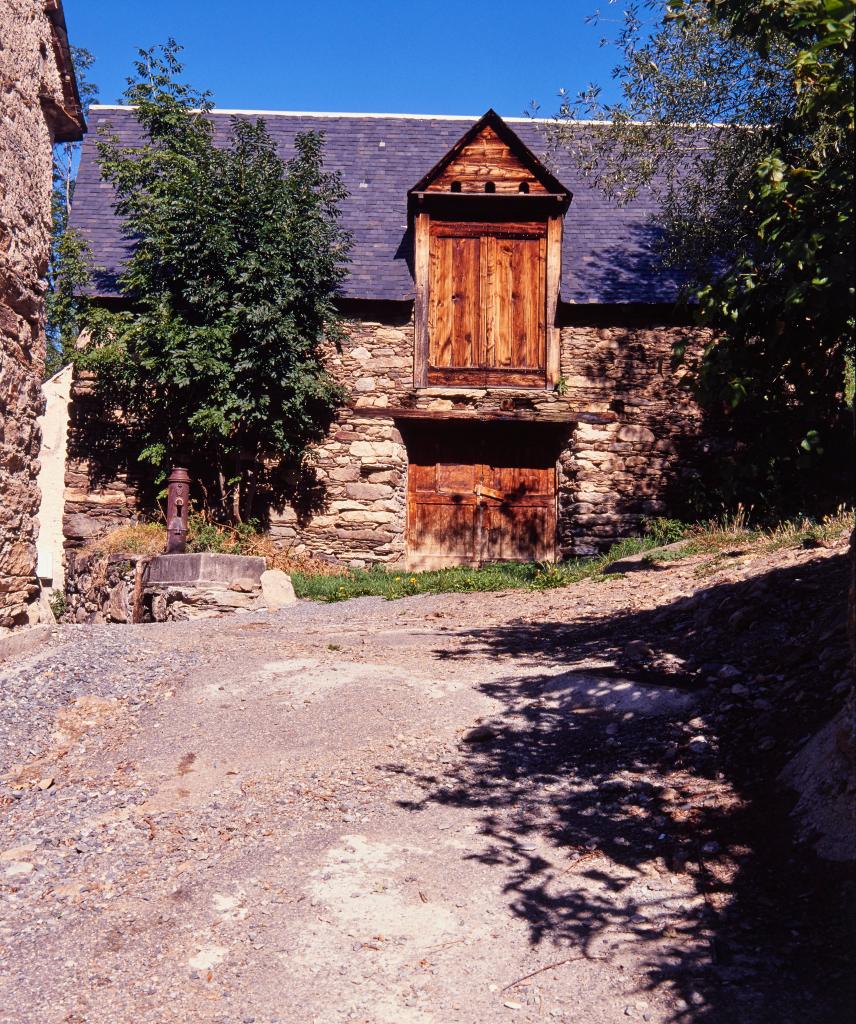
54,427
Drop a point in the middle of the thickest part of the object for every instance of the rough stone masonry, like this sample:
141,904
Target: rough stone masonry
39,105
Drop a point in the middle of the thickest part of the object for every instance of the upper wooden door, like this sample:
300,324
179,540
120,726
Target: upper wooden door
487,304
479,494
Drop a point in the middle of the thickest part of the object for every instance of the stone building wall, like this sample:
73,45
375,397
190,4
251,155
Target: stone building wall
642,463
634,460
101,491
362,467
35,97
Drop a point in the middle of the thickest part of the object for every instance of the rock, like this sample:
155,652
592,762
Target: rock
46,782
480,734
17,853
644,560
243,585
740,618
203,567
739,690
81,527
159,607
277,589
116,608
19,868
699,744
729,672
636,650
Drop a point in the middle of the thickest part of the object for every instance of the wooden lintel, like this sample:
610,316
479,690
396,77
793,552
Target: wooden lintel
488,415
526,197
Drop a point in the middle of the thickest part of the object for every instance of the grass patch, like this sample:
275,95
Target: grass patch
394,584
729,536
728,531
318,580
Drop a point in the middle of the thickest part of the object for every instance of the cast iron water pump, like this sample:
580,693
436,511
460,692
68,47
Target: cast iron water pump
177,510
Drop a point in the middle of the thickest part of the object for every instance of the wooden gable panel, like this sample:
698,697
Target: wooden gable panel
487,158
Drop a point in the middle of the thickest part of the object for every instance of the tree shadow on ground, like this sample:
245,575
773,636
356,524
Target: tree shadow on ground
631,800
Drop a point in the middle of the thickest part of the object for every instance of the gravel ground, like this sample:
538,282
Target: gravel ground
455,808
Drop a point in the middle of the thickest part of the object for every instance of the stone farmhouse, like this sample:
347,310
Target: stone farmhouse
39,105
507,358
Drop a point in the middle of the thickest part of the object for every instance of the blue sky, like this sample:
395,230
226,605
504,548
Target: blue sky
373,55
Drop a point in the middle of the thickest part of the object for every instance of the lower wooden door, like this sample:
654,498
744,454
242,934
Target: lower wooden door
480,493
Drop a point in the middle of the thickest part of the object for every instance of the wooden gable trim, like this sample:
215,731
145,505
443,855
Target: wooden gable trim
492,120
421,261
555,226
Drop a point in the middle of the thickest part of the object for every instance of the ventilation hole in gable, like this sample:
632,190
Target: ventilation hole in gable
456,186
524,188
490,186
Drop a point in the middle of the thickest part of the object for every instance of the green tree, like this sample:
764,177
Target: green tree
67,273
757,205
237,256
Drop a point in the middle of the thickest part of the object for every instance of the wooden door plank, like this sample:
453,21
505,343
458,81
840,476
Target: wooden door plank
523,296
441,306
465,301
505,304
487,299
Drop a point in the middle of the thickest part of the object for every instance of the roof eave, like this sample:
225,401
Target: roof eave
65,118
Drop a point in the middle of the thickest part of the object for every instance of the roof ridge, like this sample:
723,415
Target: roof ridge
355,114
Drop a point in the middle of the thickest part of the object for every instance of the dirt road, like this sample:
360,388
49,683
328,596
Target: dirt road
468,808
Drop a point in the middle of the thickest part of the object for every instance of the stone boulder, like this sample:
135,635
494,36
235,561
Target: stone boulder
277,589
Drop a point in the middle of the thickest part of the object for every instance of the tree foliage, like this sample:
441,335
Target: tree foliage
237,255
738,116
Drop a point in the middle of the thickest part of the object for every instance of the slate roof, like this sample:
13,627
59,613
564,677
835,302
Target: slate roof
607,254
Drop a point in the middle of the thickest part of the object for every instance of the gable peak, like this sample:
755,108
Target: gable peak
490,157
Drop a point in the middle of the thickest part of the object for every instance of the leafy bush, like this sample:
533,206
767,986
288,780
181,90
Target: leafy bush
58,605
664,531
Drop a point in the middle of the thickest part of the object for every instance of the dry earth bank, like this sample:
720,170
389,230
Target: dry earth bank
491,807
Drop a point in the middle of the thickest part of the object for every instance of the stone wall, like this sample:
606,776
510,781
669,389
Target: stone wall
116,588
643,463
636,462
34,101
362,468
101,490
99,588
